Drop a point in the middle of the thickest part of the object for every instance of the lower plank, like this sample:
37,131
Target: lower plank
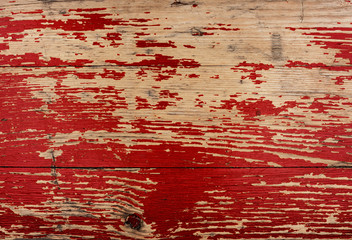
176,203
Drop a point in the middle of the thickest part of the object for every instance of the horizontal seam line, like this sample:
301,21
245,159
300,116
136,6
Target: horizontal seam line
135,66
76,167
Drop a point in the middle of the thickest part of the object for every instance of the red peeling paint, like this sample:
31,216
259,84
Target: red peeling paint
87,10
154,43
252,108
34,59
86,21
193,75
141,34
113,37
31,12
252,69
142,103
80,36
159,61
98,44
221,28
336,38
189,46
112,74
168,94
140,20
4,46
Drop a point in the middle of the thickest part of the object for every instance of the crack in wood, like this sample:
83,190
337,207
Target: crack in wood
301,17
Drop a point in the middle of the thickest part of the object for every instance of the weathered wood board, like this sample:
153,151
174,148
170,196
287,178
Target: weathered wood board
175,119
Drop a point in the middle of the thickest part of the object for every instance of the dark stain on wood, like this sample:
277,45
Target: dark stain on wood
276,48
63,11
195,31
178,3
231,48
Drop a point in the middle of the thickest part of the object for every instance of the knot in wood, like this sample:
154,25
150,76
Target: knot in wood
134,221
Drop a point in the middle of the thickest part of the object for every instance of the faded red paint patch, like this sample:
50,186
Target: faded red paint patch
30,12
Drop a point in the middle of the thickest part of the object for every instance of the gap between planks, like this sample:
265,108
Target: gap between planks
122,168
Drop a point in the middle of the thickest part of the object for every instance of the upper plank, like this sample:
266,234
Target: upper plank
178,34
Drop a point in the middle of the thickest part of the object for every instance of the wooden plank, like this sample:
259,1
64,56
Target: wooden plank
176,203
190,34
84,117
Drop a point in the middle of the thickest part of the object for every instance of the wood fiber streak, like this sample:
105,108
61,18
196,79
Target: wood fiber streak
202,119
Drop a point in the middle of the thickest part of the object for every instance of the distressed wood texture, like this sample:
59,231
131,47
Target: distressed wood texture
175,119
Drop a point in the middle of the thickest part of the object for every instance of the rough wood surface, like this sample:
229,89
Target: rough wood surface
175,119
